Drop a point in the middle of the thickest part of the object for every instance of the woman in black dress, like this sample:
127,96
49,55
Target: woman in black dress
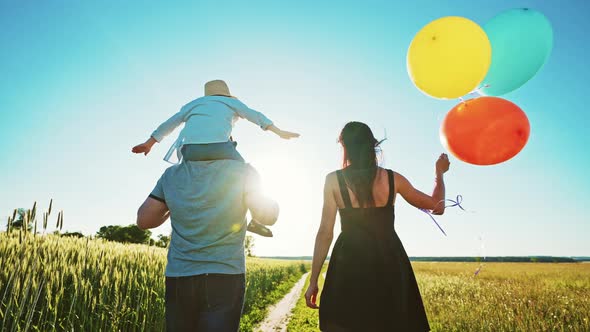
370,284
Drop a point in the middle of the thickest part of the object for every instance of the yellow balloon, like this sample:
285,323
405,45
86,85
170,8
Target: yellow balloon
449,57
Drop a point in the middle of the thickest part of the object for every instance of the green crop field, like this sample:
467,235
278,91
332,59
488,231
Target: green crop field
502,297
52,283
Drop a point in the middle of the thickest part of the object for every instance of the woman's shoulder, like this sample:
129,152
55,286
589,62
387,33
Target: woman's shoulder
384,171
332,175
387,170
396,175
379,169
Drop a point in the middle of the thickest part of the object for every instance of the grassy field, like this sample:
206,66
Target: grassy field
502,297
267,282
303,318
52,283
506,296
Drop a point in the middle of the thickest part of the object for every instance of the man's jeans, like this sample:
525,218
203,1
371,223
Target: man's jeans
206,302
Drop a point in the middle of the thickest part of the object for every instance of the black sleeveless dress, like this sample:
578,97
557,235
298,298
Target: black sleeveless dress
370,284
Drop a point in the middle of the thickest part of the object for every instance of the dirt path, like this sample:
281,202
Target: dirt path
279,314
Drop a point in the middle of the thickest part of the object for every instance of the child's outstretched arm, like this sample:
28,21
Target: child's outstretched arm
282,133
162,131
144,147
258,118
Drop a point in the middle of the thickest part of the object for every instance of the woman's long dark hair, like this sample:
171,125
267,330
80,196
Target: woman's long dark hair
360,160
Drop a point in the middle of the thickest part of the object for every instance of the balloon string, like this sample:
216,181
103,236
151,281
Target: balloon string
431,217
456,202
477,91
478,270
481,263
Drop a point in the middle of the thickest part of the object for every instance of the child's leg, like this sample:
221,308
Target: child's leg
212,151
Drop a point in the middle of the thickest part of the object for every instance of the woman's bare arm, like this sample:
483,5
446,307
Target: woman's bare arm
323,239
415,197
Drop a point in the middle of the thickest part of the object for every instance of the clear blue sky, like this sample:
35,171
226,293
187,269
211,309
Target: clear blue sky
82,82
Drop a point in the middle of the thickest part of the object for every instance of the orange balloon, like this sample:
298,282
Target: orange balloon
485,130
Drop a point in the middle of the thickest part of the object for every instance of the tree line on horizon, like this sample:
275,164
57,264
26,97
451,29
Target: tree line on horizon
26,220
501,259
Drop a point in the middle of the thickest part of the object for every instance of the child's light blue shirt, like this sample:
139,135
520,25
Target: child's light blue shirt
208,119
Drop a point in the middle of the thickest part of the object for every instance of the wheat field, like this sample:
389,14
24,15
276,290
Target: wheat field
53,283
506,296
502,297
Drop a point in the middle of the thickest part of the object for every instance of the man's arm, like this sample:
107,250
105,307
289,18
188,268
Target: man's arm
263,209
152,213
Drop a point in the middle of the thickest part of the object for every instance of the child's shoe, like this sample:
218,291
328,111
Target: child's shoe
259,229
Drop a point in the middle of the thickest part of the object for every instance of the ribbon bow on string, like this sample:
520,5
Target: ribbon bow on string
456,202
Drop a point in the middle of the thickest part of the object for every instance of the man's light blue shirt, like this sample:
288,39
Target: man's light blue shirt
208,201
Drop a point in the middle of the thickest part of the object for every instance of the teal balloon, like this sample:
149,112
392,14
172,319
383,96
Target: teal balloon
521,41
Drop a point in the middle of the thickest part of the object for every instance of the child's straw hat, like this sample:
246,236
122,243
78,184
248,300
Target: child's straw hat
217,87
